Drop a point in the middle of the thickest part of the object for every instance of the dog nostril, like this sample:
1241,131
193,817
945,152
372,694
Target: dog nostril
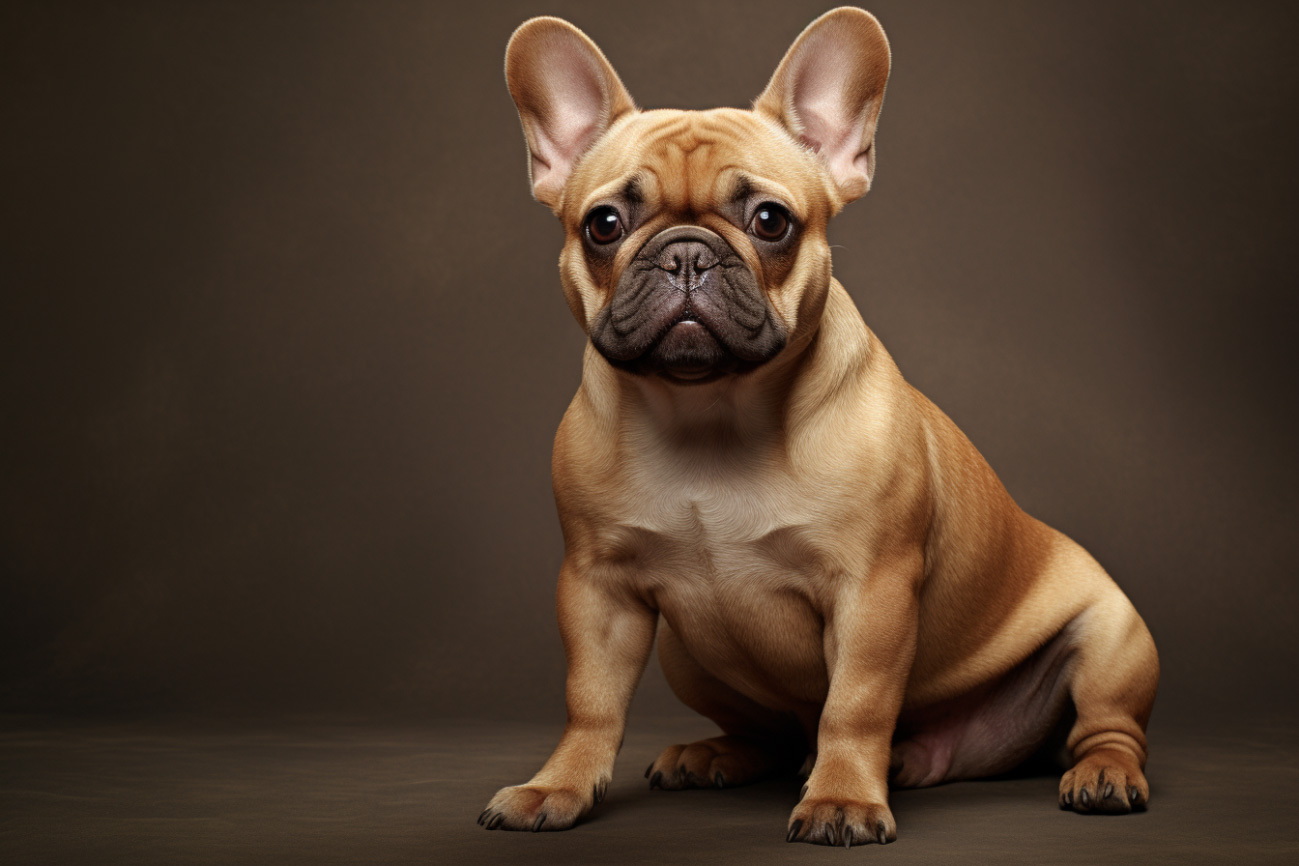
693,256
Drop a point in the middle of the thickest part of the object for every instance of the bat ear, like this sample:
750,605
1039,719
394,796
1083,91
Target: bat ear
567,95
828,91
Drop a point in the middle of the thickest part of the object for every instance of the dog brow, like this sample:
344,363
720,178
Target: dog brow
743,188
632,192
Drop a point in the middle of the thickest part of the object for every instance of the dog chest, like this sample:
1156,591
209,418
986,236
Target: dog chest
736,572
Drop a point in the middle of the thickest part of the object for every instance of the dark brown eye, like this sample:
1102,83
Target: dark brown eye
770,222
604,226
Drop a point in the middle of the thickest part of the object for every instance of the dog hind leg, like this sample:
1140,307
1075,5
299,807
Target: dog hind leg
1113,686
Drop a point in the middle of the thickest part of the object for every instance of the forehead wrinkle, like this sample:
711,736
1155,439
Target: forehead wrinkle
695,165
673,176
684,136
674,147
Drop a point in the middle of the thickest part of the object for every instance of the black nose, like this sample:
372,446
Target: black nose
687,261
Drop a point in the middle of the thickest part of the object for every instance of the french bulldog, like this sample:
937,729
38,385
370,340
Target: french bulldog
835,575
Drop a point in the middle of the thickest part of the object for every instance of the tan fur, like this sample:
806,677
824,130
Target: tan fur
833,561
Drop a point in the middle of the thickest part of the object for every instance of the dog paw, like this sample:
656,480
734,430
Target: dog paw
721,762
1105,782
539,807
833,821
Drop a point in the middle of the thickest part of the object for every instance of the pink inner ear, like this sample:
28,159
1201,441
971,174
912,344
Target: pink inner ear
554,158
833,122
570,113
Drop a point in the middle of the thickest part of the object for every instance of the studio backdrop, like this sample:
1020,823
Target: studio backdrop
284,349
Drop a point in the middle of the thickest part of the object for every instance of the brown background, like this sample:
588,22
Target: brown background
282,346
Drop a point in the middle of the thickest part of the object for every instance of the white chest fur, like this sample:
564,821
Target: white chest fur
728,549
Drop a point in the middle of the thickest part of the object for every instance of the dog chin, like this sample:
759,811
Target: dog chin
687,354
690,353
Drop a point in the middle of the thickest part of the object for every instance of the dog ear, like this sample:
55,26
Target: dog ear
828,91
567,95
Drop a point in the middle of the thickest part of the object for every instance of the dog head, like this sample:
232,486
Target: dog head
695,241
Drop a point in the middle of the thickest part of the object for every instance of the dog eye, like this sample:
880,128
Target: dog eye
604,226
770,222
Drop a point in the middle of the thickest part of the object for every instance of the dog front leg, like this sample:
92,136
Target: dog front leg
870,642
607,634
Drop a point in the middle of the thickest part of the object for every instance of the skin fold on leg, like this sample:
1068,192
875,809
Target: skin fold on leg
1113,689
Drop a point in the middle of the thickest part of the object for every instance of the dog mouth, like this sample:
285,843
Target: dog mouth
687,308
686,349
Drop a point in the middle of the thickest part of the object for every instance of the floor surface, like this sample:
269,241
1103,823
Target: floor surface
311,792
